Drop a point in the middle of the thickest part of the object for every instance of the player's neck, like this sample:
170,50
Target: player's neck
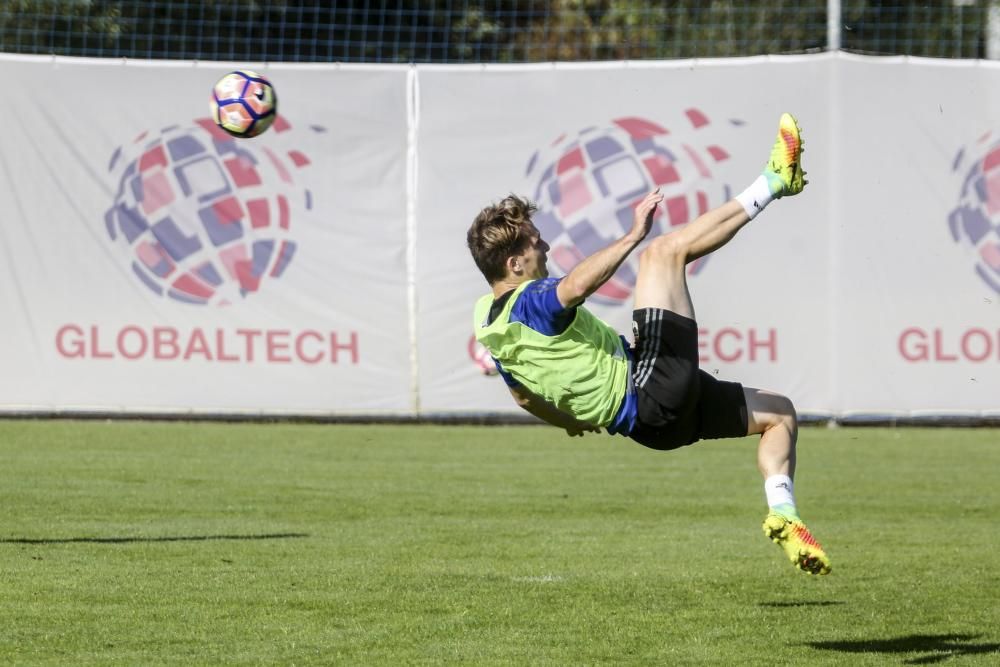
505,285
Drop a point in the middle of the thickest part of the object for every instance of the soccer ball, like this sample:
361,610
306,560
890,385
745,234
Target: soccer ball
244,103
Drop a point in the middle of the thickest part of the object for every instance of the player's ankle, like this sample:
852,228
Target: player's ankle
775,185
758,195
786,511
781,497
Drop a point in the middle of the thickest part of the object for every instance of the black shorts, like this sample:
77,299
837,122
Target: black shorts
677,402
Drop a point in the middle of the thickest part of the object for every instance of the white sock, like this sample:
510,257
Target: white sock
756,197
780,496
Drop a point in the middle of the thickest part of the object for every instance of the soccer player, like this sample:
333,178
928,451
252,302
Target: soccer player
570,369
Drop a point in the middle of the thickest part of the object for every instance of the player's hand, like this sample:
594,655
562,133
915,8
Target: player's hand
643,218
574,431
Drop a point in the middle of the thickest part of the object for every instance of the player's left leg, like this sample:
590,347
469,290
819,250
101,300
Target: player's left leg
773,417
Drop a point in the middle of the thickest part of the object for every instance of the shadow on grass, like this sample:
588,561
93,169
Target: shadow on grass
802,603
131,540
938,647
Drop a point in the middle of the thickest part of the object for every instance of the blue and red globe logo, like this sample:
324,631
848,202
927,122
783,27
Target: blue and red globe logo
975,222
587,186
205,218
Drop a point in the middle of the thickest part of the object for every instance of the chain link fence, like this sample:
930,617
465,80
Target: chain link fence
481,31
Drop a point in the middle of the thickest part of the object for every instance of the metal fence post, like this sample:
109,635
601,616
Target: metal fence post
833,25
993,31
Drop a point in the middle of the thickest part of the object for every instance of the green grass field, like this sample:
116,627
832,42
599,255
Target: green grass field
143,543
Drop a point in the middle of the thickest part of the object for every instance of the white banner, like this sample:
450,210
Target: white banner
916,231
151,264
586,143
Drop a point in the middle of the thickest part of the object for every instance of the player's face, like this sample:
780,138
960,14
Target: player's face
533,259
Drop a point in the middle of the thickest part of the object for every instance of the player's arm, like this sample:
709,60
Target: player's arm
587,276
547,412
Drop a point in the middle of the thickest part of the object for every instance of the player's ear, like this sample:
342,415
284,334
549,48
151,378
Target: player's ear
513,264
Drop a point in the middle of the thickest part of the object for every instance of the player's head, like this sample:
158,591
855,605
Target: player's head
505,243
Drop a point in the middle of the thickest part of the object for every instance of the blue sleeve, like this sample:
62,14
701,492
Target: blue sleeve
538,307
507,377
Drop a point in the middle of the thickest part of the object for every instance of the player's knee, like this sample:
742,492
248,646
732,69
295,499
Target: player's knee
784,412
665,249
776,410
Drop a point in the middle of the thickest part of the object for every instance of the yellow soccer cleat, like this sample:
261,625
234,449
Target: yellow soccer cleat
784,169
798,543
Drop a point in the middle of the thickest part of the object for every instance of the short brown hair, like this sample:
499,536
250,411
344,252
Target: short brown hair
498,232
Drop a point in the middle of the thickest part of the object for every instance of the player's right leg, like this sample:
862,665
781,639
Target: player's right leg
773,417
661,280
662,277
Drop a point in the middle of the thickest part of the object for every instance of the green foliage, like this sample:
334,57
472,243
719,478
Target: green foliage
939,28
482,30
171,543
